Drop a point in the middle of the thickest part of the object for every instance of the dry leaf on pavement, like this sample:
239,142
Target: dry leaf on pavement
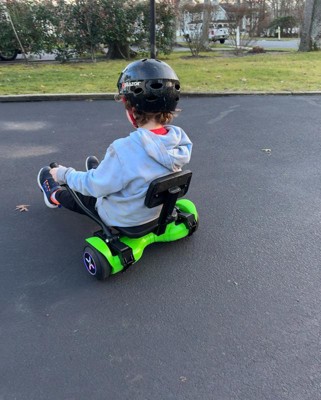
22,207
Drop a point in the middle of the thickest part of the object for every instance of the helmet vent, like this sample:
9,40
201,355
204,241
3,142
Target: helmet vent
156,85
136,90
177,86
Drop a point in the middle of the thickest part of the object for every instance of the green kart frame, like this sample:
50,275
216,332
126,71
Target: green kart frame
114,249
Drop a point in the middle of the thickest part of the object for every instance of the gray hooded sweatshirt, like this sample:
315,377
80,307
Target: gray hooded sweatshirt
122,178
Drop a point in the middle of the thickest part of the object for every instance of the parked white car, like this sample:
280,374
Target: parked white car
218,34
8,55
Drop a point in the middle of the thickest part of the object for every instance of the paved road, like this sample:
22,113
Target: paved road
230,313
288,44
266,44
279,44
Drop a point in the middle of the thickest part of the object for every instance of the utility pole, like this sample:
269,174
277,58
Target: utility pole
152,29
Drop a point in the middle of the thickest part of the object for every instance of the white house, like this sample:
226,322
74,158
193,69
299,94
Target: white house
191,21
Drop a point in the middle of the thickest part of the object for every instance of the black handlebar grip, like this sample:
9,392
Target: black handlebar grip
53,165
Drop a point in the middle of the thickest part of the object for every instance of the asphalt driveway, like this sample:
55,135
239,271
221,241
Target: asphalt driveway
232,313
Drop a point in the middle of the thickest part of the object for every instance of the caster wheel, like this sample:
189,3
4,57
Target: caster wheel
96,264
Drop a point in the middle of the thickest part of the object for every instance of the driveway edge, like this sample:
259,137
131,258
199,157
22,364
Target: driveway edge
110,96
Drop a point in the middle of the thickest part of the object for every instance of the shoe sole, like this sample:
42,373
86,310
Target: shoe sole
48,204
86,163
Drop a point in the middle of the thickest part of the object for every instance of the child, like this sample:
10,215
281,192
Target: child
115,188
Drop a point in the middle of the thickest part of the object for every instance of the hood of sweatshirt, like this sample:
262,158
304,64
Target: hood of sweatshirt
172,150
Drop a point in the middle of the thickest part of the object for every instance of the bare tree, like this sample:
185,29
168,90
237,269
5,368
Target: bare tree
196,30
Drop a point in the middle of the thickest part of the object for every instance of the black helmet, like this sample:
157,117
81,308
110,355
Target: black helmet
150,85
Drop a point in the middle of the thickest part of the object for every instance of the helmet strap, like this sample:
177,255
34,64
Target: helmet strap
131,118
130,115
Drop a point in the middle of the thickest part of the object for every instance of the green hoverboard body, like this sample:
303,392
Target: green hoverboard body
103,257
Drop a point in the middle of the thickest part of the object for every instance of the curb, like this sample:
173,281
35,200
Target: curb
110,96
56,97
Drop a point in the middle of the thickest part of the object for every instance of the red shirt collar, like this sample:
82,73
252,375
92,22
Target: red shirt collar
160,131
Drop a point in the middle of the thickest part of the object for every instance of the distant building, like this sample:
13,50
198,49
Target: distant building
191,21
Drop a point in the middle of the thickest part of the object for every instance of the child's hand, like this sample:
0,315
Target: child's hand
53,172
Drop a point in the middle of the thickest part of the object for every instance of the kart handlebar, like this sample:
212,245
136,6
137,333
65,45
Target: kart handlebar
104,227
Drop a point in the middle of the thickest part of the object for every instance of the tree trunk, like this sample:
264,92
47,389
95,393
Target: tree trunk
206,23
118,50
311,27
305,42
316,26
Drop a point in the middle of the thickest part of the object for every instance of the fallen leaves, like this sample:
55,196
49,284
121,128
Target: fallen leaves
267,151
22,207
90,75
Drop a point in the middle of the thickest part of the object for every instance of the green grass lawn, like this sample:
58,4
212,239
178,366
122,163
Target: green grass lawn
212,72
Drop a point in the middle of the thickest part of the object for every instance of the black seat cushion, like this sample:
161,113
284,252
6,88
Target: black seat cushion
138,231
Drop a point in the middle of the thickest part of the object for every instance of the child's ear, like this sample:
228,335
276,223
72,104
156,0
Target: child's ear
131,117
133,111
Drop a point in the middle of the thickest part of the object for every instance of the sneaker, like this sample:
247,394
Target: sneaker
48,186
92,162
